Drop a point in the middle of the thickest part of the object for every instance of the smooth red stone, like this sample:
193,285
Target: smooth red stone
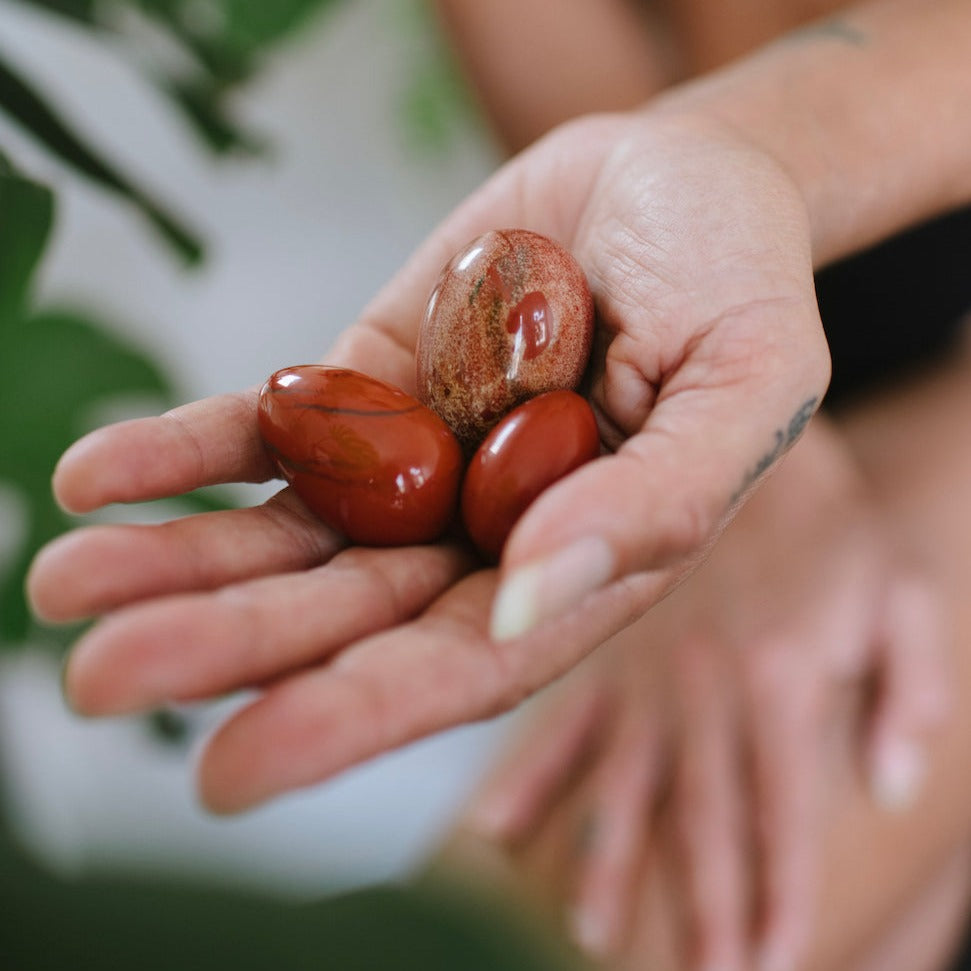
511,317
531,448
368,459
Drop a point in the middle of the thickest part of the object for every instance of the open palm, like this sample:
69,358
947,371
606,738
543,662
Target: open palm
710,363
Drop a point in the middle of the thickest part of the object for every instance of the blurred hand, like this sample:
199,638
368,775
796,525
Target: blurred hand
712,360
719,708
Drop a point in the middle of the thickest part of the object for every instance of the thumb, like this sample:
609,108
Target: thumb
663,497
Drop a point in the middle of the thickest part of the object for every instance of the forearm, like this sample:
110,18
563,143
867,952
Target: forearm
531,71
867,111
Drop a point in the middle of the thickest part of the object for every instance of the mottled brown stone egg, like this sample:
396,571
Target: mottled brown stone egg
511,317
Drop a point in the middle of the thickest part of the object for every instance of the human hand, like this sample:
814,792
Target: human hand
719,709
696,246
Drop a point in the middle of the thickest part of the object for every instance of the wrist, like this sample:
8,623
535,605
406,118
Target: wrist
866,114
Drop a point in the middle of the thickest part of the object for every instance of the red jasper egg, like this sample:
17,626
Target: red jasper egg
511,317
533,446
368,459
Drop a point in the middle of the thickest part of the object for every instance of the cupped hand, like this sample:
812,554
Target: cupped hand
718,709
711,359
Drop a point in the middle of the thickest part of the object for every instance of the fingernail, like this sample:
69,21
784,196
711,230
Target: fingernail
490,819
589,931
774,958
897,776
537,592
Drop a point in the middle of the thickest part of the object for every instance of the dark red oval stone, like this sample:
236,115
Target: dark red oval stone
368,459
531,448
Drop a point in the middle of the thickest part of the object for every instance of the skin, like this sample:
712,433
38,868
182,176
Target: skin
720,703
715,362
152,581
529,80
699,35
894,888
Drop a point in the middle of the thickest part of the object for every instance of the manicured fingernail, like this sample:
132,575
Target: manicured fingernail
897,775
541,590
589,931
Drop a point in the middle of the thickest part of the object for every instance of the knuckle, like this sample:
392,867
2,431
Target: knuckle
819,363
685,530
770,670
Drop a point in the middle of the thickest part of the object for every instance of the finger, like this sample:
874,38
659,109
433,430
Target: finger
707,809
397,686
204,443
665,494
199,645
542,189
91,571
783,705
542,765
913,692
625,783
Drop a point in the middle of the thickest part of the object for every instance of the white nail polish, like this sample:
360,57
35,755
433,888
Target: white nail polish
539,591
897,776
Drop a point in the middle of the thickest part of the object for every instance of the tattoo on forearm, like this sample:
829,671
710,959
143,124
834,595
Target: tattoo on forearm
834,28
784,439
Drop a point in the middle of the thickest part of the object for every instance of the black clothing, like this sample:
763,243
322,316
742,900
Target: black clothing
896,306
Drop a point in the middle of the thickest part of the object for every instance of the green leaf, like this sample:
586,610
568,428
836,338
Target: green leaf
54,368
107,921
234,30
201,102
435,101
81,10
251,27
225,38
25,105
26,215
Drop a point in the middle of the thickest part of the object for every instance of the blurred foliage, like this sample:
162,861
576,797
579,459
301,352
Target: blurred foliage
29,108
436,100
56,366
105,923
221,43
218,45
